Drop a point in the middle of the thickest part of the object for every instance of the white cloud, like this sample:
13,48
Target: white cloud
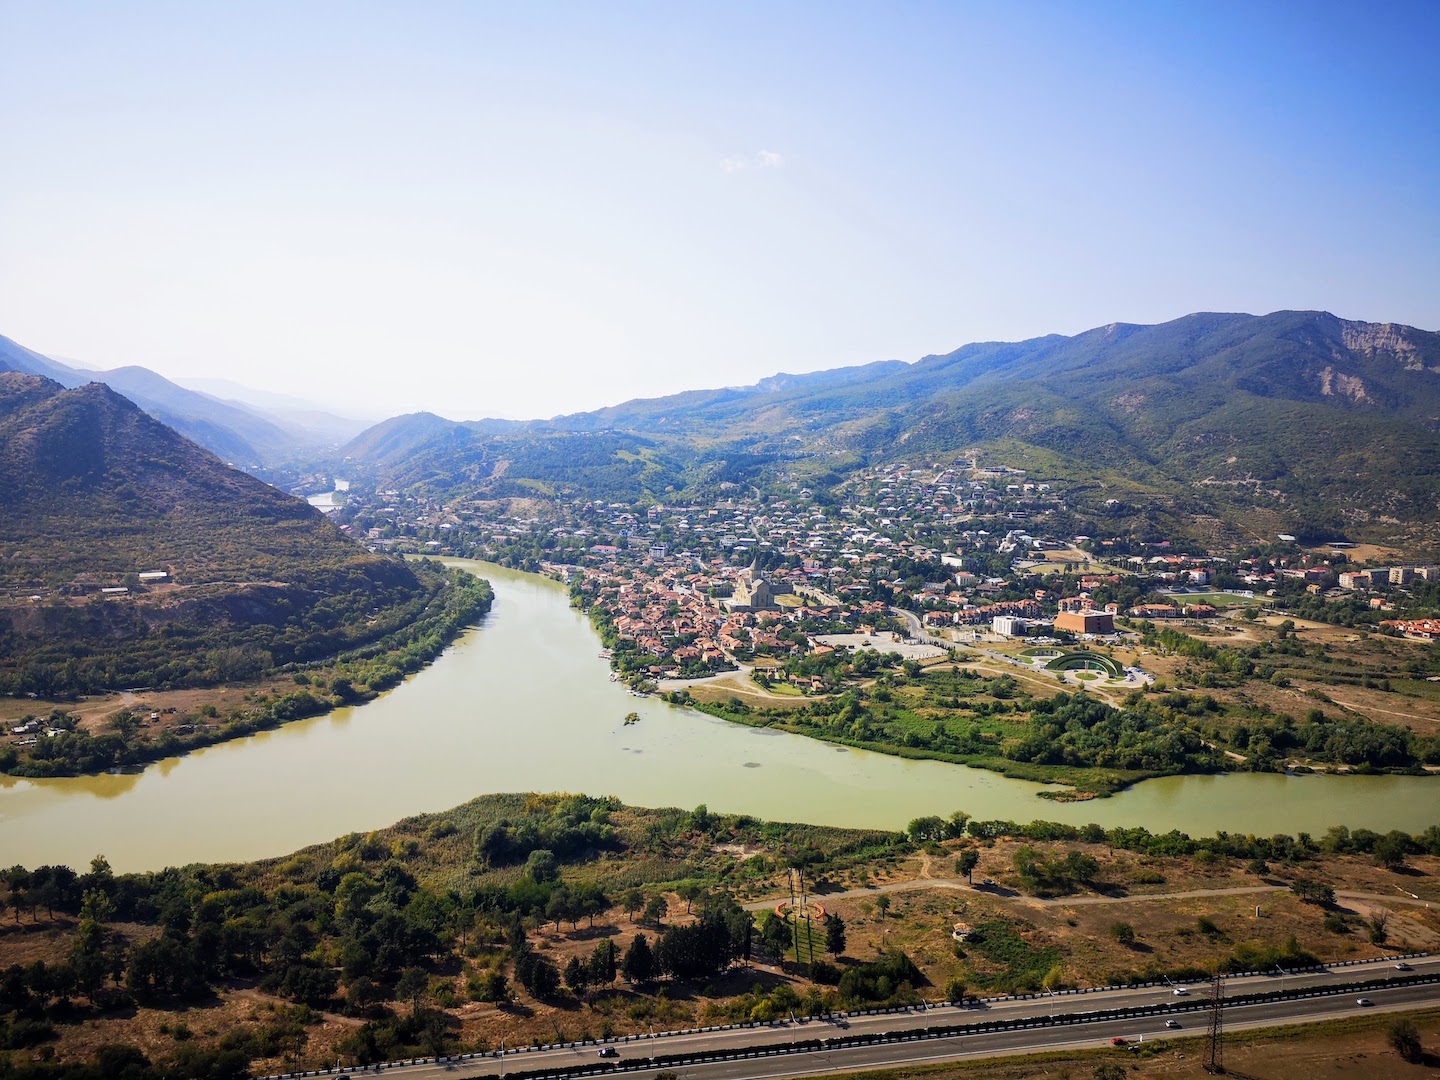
761,159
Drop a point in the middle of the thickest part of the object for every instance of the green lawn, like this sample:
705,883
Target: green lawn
1221,599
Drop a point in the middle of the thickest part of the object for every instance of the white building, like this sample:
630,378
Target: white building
1009,625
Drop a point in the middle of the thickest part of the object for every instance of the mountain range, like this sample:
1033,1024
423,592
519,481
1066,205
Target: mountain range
244,433
1221,425
1292,420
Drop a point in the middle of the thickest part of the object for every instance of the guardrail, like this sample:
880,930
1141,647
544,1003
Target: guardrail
1189,1004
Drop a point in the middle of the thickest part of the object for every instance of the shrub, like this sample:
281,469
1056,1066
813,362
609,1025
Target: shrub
1404,1036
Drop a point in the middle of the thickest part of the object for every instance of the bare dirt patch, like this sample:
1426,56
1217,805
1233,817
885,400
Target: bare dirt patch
173,706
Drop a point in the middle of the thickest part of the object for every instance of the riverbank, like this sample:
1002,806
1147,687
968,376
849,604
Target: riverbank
1086,747
130,729
1067,784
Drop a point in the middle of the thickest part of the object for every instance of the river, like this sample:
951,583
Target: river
523,702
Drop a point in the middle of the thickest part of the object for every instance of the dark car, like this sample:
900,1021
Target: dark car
608,1051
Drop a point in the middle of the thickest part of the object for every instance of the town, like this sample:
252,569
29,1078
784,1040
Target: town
971,550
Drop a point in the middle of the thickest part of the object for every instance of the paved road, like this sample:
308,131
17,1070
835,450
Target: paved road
699,1043
958,885
1072,1037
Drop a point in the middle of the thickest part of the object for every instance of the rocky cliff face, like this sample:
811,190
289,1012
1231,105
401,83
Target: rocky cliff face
1405,344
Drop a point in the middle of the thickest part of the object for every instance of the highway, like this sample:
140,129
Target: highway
1042,1040
1190,1010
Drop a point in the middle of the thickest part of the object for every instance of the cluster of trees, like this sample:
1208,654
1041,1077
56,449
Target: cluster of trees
1340,740
578,826
1077,730
893,977
721,937
1072,732
1389,849
833,668
933,828
1045,875
1270,740
354,927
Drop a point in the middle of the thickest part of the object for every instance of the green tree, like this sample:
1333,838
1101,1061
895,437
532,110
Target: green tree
775,934
965,863
1123,933
922,829
411,987
590,900
577,976
602,963
1313,892
1390,850
537,974
834,934
632,900
639,963
540,866
124,723
490,986
689,891
90,957
559,906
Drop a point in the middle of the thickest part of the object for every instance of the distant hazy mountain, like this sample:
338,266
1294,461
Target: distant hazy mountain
93,490
308,418
507,459
239,434
1295,418
393,441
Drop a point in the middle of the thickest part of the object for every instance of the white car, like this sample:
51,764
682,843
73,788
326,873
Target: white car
1180,991
1363,1001
1172,1023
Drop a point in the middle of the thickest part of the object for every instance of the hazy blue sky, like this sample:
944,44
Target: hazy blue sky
533,208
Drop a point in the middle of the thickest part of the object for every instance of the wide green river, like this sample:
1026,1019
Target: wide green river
524,703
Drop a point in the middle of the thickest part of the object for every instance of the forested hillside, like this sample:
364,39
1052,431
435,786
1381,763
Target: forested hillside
239,577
